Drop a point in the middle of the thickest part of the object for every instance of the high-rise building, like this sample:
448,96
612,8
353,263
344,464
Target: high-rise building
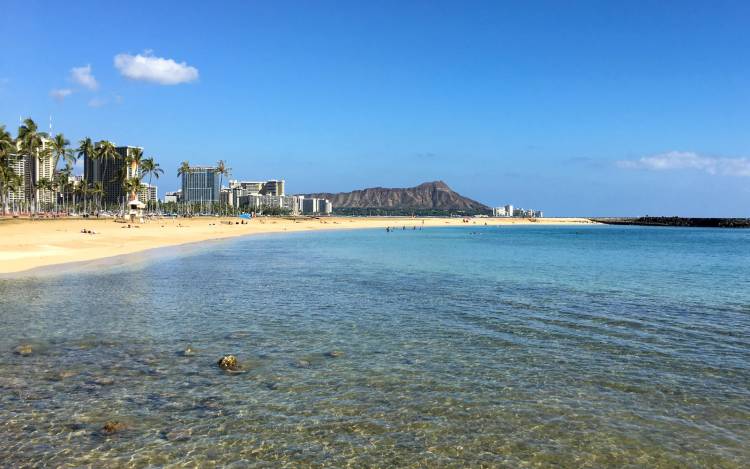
19,165
325,207
148,193
110,172
239,191
310,205
31,170
258,202
273,187
201,184
499,212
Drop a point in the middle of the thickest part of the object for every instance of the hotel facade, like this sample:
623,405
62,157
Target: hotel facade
201,184
31,170
109,172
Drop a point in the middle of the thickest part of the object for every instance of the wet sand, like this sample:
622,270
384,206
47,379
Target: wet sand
26,244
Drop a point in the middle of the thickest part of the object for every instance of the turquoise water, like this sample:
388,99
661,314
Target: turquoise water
482,346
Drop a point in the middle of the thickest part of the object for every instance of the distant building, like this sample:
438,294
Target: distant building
325,207
148,193
311,206
174,197
31,171
201,184
20,166
250,194
110,172
273,187
238,189
258,202
510,211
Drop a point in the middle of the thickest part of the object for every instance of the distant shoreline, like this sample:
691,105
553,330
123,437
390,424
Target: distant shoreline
677,222
29,244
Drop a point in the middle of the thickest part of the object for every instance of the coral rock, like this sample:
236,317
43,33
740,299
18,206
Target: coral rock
24,350
228,362
113,426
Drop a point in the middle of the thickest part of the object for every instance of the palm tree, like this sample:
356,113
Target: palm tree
44,185
62,182
151,168
30,144
222,169
86,149
7,144
8,177
9,181
82,190
61,150
183,170
97,191
133,160
132,186
106,152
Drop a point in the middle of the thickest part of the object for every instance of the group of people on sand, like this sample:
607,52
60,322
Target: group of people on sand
388,229
85,231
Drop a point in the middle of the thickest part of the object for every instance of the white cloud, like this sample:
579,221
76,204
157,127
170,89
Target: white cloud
675,160
97,102
61,94
83,76
146,67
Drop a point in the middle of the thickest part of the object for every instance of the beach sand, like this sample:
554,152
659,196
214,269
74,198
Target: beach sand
26,244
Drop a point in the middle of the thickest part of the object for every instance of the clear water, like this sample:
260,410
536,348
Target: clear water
482,346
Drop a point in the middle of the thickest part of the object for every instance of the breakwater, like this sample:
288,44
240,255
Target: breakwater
678,221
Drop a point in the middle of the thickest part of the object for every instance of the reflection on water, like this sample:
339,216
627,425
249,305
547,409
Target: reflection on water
597,347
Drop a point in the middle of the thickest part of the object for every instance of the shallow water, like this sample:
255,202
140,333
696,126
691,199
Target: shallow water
510,347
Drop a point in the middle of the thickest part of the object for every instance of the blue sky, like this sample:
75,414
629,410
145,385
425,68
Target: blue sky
577,108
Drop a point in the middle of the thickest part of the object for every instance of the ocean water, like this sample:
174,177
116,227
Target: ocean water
529,346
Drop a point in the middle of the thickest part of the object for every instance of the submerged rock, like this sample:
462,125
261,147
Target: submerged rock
66,374
104,381
334,354
178,435
302,364
113,426
24,350
60,375
228,363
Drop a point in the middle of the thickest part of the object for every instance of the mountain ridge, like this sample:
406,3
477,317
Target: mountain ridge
433,195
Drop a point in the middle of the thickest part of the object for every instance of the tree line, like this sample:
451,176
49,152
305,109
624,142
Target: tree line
86,196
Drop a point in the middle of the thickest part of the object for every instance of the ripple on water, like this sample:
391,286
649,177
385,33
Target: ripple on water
419,350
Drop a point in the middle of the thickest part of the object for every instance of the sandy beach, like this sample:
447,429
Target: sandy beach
26,244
